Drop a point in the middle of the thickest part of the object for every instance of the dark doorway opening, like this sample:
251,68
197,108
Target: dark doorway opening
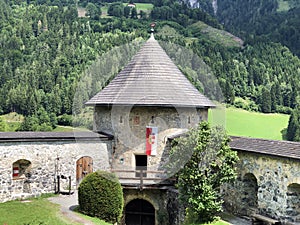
250,189
139,212
141,164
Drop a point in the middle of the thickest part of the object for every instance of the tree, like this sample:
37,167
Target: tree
126,11
293,129
211,164
3,125
143,15
133,13
116,9
93,11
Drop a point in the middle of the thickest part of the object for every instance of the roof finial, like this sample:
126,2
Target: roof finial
152,25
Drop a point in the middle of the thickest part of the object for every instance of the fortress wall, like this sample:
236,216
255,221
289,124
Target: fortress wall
47,160
267,185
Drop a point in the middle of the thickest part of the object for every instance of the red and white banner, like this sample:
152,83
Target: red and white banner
151,140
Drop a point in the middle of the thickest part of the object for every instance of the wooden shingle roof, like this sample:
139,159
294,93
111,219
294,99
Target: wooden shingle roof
28,136
286,149
151,79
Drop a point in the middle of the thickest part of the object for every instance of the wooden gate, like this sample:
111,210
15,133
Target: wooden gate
139,212
84,166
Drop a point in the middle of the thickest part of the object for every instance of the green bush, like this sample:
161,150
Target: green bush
64,120
100,195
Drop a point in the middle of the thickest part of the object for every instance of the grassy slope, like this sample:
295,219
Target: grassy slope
220,36
35,212
13,121
39,211
283,6
251,124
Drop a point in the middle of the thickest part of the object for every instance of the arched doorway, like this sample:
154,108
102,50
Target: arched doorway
250,192
293,202
139,212
84,166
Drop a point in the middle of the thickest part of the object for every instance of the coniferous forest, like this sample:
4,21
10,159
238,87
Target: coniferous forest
46,47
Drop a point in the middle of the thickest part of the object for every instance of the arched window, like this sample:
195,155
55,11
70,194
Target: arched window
21,169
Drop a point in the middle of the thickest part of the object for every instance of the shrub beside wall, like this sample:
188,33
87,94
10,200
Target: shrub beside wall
100,195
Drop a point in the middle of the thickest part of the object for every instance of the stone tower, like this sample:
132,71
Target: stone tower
147,102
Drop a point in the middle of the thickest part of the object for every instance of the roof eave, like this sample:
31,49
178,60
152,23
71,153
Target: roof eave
151,105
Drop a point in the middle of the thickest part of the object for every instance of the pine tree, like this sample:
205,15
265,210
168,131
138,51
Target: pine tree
293,129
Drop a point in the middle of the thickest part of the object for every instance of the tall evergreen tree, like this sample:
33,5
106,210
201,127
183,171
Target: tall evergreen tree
293,129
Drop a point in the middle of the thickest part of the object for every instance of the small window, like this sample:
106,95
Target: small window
189,120
21,169
140,165
136,120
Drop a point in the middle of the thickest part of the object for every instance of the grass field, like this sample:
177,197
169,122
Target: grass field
146,7
36,212
283,6
252,124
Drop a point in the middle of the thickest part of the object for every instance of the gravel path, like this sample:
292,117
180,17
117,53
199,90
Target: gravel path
68,203
236,220
239,221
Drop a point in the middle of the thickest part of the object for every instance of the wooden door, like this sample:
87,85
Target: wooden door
84,166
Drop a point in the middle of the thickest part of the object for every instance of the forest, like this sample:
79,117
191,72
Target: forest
46,48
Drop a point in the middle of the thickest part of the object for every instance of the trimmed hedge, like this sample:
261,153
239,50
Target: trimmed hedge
100,195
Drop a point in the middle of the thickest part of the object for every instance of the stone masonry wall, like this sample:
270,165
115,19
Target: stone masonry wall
262,187
128,125
48,159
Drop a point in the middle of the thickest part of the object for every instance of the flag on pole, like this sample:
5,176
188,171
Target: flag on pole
151,140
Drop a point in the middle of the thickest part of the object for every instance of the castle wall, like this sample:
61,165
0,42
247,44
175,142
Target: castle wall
267,185
47,160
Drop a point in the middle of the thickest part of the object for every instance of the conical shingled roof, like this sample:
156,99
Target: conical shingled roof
151,79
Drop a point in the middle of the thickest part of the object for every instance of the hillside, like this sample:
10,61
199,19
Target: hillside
217,35
275,20
46,54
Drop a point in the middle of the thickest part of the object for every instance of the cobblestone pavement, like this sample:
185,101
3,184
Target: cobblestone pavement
68,203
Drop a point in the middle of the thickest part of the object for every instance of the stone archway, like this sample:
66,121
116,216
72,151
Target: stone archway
293,202
84,166
250,189
139,212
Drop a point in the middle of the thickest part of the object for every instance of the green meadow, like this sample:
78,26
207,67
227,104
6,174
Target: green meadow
240,122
